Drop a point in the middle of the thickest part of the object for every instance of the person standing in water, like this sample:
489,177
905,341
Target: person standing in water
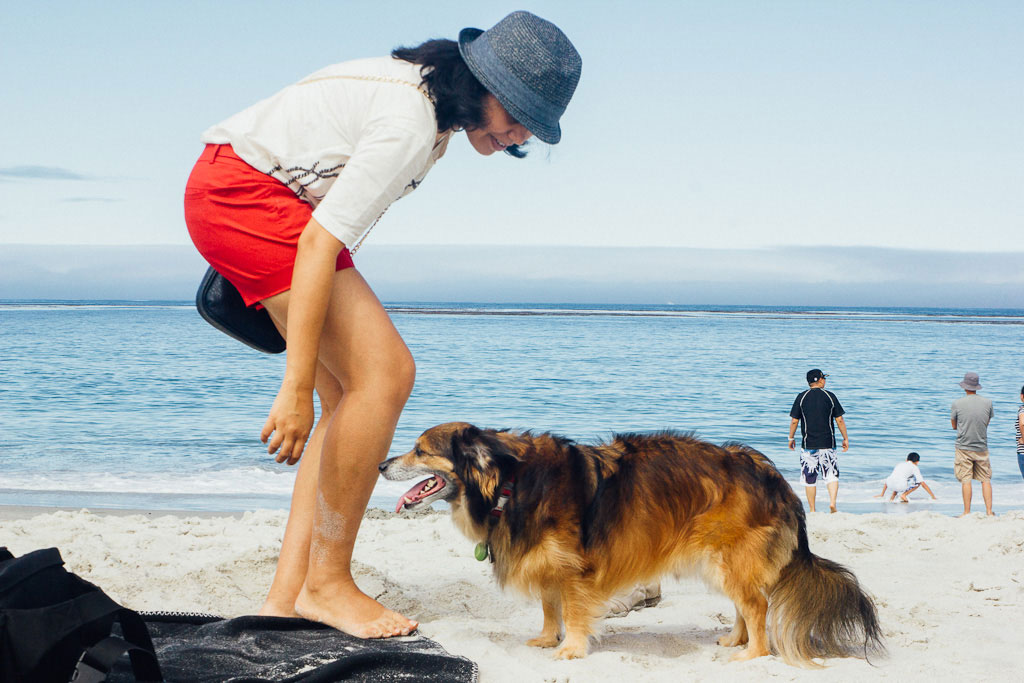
818,412
970,415
1019,427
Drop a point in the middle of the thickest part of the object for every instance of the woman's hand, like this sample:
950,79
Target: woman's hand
290,422
291,416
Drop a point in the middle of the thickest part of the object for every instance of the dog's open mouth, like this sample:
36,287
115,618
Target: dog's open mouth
420,492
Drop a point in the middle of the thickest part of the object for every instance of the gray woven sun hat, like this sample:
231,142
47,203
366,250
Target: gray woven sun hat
529,65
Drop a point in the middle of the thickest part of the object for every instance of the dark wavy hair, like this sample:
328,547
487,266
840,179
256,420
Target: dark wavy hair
458,95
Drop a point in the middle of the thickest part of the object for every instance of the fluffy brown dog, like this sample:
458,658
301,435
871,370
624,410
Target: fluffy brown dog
580,523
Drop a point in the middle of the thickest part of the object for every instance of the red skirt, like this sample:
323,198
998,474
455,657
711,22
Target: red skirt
246,224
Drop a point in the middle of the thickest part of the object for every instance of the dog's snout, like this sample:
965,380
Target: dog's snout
383,466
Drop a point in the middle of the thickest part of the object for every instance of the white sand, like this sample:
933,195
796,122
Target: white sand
950,592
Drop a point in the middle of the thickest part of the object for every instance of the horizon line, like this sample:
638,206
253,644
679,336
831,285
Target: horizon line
435,245
709,307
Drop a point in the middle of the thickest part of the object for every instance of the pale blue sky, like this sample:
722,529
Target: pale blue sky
709,124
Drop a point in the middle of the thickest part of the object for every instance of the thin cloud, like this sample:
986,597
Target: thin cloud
105,200
41,173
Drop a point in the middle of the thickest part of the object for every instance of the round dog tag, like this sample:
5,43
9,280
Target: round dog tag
480,552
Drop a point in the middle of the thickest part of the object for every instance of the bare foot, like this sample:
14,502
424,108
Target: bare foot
990,514
832,510
271,609
348,609
903,499
963,514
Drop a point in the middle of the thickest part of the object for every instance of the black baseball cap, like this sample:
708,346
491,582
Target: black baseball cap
814,375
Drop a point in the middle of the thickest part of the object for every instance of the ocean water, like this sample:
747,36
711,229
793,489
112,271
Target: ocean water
143,405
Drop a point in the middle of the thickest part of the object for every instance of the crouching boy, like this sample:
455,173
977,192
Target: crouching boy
905,479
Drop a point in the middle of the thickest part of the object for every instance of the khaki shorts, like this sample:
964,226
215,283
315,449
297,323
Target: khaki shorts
969,465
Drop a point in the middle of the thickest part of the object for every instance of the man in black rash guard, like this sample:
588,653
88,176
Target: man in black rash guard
818,412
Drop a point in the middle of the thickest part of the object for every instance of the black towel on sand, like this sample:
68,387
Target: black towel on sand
207,649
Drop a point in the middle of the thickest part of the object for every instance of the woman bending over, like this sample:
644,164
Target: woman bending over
279,199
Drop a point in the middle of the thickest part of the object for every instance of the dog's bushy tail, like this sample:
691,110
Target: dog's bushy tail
818,609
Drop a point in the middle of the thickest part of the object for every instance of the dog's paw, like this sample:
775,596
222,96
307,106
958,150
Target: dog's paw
731,641
571,651
748,653
543,640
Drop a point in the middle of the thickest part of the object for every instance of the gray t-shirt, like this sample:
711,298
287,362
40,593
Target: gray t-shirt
972,414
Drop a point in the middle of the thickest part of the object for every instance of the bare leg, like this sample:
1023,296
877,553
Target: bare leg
965,489
903,496
986,493
363,350
293,561
833,493
812,494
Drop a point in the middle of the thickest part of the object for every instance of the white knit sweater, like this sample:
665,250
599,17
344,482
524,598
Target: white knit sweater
349,139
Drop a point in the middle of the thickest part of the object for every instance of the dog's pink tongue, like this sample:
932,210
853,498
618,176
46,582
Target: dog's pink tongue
413,494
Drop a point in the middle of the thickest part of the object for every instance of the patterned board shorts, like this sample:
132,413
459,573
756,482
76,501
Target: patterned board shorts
818,462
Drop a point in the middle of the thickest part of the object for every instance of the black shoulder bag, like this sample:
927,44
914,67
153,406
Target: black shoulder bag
221,305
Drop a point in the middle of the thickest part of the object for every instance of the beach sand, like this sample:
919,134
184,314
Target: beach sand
950,593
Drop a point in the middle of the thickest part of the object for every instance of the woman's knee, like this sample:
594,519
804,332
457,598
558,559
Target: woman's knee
391,378
388,375
397,382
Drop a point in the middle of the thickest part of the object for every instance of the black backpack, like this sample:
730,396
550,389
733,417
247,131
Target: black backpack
55,626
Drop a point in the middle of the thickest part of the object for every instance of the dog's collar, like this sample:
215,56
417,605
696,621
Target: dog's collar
483,549
506,492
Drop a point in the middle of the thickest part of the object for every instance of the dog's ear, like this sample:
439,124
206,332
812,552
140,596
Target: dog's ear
484,458
461,438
